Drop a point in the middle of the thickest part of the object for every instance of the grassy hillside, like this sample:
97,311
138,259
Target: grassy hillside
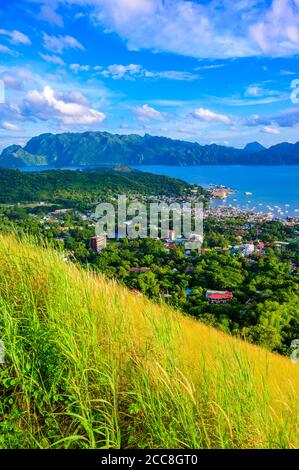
90,364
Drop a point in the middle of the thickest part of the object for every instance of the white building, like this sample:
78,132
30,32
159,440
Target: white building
248,249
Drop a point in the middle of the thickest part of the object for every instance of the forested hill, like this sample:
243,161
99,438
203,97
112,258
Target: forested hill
103,148
78,186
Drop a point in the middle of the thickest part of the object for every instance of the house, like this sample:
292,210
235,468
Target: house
219,297
98,243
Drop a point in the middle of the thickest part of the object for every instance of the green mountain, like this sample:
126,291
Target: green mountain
103,148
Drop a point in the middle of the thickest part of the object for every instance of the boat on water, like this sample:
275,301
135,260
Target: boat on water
248,193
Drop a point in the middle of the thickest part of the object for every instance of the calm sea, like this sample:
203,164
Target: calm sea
274,188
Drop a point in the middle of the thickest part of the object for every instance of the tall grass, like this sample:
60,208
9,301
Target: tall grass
91,365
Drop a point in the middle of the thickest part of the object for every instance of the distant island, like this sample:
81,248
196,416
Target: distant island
103,148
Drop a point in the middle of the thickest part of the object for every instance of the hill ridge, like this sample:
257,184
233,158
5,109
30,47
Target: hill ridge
103,148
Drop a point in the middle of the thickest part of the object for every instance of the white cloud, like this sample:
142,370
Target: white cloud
16,37
118,71
211,29
258,91
209,116
172,75
254,90
209,67
57,44
134,71
277,31
9,126
79,68
270,130
146,113
69,109
54,59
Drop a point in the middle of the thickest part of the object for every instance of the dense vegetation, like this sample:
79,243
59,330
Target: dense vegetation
91,365
102,148
75,187
265,307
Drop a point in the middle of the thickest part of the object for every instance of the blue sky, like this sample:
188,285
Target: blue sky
206,71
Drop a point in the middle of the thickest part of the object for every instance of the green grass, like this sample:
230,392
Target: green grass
91,365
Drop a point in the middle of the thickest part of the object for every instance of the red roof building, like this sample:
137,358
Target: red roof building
219,297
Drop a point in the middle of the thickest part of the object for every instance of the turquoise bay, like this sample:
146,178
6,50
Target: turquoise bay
272,187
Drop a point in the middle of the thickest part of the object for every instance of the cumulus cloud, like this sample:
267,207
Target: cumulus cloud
215,28
58,44
147,113
54,59
206,115
69,108
16,37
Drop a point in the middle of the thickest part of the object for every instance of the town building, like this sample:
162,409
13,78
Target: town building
219,297
98,243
